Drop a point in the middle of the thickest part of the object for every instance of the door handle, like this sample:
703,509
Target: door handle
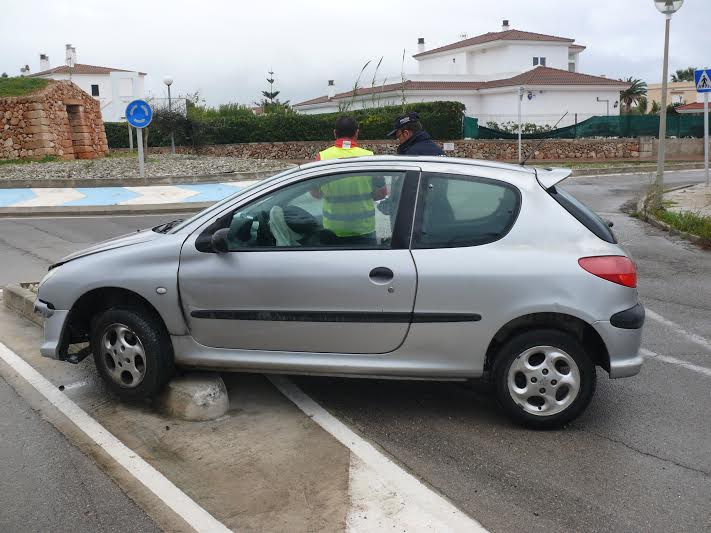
381,275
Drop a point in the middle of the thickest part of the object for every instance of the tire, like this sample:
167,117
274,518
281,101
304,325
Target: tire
132,352
544,378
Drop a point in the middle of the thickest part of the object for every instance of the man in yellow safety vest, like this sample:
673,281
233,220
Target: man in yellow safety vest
349,202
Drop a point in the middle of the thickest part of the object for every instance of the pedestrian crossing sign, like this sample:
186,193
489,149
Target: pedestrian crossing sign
703,80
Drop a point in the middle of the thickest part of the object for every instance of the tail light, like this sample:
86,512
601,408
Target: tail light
615,268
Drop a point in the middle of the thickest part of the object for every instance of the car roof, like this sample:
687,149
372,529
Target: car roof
420,159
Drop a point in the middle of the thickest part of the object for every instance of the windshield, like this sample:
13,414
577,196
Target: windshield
196,216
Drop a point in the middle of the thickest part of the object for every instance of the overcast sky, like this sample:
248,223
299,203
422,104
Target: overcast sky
223,48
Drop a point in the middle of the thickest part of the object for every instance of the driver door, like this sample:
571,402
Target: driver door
304,273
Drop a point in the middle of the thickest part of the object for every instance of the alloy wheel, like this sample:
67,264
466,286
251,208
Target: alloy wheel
123,355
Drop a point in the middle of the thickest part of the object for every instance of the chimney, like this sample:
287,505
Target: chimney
44,62
331,89
70,55
505,25
420,45
24,71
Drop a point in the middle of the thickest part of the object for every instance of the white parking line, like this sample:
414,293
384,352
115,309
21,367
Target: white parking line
383,495
674,361
693,337
162,487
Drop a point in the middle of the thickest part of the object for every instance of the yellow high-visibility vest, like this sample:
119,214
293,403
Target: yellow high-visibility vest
348,206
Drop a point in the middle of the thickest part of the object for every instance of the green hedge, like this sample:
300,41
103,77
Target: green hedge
443,120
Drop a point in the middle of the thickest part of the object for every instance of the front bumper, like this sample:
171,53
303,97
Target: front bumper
53,328
623,341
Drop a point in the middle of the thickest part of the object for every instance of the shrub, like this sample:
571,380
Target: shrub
232,124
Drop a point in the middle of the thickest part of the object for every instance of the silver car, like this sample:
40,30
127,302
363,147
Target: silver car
419,267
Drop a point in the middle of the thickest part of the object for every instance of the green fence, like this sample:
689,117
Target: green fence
471,128
616,126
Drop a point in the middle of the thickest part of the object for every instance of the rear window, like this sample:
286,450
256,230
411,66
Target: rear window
586,216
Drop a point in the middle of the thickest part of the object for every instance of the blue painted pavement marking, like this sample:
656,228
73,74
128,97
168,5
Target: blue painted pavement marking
210,192
103,196
10,197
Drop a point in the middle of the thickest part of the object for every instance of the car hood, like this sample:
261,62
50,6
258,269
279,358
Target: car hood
117,242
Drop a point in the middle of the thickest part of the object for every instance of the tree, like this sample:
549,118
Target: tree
4,75
270,103
642,105
686,74
633,94
656,108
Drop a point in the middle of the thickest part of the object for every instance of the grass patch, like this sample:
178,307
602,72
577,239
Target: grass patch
688,222
20,85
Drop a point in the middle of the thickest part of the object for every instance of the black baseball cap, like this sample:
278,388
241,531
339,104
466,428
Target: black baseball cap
403,120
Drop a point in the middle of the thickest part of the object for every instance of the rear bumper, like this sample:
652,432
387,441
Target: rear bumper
623,341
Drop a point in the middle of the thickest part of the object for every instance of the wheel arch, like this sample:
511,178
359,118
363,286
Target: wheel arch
94,302
582,330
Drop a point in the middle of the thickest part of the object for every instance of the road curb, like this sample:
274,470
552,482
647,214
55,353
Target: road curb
109,210
141,182
645,216
21,300
640,169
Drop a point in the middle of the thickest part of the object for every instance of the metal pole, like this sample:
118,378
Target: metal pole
172,138
659,183
520,98
130,138
141,162
706,137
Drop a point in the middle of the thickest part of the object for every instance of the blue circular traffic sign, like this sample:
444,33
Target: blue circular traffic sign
139,114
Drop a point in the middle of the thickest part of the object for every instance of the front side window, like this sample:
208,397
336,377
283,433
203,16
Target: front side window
94,90
461,211
337,211
535,61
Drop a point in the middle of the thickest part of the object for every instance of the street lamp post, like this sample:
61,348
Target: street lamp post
667,8
520,99
168,80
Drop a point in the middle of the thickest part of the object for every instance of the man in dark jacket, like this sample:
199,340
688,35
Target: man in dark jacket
411,138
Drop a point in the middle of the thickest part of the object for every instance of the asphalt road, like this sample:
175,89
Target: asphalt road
638,460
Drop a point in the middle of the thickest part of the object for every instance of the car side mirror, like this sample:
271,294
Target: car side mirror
219,241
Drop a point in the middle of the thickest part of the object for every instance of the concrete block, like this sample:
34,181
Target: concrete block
21,300
196,396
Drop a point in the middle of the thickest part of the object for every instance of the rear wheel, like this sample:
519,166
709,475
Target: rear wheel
544,378
132,352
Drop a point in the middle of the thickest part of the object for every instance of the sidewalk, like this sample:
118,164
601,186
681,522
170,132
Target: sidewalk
696,199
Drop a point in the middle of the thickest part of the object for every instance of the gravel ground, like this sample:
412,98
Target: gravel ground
127,167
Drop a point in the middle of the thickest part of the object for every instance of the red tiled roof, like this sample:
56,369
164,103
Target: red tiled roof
535,77
80,68
696,107
508,35
554,76
577,47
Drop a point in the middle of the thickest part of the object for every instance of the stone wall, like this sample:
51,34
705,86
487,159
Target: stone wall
60,120
501,150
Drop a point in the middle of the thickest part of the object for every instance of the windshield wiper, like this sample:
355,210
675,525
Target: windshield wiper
165,228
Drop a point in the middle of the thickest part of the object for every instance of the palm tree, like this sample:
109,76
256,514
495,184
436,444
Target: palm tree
686,74
633,94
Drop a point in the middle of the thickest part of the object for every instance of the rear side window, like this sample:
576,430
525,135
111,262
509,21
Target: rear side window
586,216
456,211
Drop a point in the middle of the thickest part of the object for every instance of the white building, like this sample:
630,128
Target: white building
487,73
114,88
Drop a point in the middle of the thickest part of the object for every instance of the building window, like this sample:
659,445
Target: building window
543,61
94,90
571,67
535,61
539,61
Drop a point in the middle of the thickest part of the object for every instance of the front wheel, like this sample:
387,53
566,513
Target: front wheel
544,378
132,352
